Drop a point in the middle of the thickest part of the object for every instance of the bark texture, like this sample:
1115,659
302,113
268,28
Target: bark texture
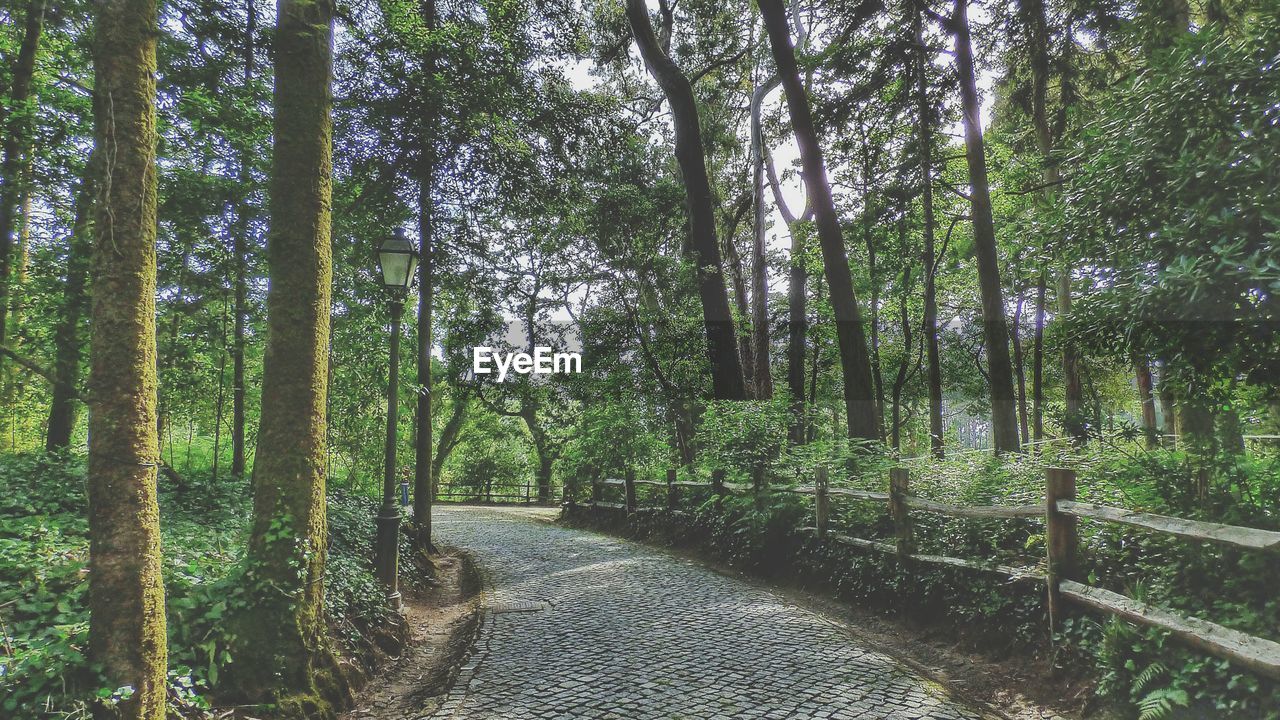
722,346
424,469
282,653
75,300
126,589
995,330
859,393
759,266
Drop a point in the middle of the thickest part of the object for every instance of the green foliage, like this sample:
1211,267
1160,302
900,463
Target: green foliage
1175,202
43,561
743,437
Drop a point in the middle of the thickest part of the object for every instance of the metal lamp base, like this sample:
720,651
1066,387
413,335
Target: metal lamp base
386,558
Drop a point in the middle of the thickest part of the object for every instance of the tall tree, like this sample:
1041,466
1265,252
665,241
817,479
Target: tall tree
424,491
15,167
924,136
722,347
75,298
282,651
759,260
859,392
240,249
126,589
797,310
995,331
1037,24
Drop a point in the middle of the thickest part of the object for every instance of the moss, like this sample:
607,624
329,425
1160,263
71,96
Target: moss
127,609
281,652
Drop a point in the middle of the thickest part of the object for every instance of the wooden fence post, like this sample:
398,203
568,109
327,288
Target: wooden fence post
672,498
899,488
629,485
717,485
597,492
821,501
1061,538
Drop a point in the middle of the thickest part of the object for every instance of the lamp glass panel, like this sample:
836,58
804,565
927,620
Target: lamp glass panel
413,270
396,268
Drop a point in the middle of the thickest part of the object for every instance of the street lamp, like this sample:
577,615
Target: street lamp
397,261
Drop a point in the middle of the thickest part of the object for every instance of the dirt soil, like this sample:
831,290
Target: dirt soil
442,620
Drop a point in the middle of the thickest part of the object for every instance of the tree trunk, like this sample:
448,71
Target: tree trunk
722,346
859,394
1038,48
449,434
759,264
283,653
1019,371
924,130
1037,367
75,300
240,248
15,167
797,311
220,401
995,332
423,478
424,487
19,280
903,374
126,589
877,377
1168,413
1143,372
746,350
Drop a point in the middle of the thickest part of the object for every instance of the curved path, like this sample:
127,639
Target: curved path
582,625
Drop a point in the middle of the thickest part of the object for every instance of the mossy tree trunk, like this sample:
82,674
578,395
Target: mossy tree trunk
855,359
126,590
281,652
75,298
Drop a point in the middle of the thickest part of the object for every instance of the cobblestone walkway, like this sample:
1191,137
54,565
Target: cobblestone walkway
583,625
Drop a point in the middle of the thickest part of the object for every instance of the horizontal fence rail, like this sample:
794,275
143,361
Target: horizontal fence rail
449,491
1060,571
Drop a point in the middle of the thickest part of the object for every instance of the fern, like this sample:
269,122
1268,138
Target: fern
1144,679
1158,704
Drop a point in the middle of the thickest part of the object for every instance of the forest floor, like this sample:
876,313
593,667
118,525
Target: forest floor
442,621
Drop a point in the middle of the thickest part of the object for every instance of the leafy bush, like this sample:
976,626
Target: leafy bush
44,619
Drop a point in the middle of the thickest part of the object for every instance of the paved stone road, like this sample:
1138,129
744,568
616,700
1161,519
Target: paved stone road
583,625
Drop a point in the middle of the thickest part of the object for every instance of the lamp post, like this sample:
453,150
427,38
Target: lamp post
397,261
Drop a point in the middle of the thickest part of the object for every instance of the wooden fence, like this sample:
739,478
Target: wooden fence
1061,571
449,492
